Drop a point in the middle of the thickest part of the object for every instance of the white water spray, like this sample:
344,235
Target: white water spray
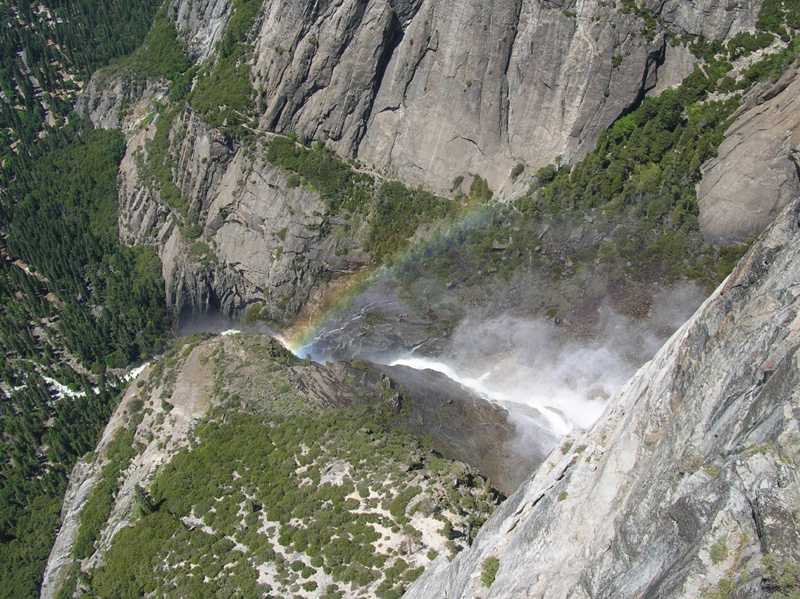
532,370
136,372
562,410
306,350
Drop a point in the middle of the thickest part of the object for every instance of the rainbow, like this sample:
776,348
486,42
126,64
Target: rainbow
300,336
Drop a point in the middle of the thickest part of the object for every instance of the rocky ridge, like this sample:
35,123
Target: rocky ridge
253,373
688,483
163,431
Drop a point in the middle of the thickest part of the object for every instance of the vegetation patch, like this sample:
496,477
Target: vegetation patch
300,501
101,499
781,576
162,55
392,210
341,188
223,94
489,569
719,550
62,44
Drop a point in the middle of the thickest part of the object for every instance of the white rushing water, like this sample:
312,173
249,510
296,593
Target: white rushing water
529,366
562,408
550,388
61,390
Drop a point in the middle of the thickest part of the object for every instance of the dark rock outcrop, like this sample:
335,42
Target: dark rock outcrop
460,424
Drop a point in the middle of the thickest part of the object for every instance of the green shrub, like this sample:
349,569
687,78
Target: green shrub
489,569
161,56
255,313
783,576
546,174
719,550
173,197
293,180
479,190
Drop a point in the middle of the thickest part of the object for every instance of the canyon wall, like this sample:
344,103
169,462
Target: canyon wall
429,91
687,482
757,170
422,91
262,238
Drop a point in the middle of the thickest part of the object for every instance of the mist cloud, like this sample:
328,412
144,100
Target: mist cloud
550,383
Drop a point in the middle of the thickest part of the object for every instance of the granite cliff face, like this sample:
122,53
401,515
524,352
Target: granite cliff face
262,239
757,171
205,22
689,479
423,91
430,91
713,20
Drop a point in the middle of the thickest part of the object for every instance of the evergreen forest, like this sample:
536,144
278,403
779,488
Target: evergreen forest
76,303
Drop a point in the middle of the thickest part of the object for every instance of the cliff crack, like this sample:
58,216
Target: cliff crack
794,156
504,93
392,36
472,141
